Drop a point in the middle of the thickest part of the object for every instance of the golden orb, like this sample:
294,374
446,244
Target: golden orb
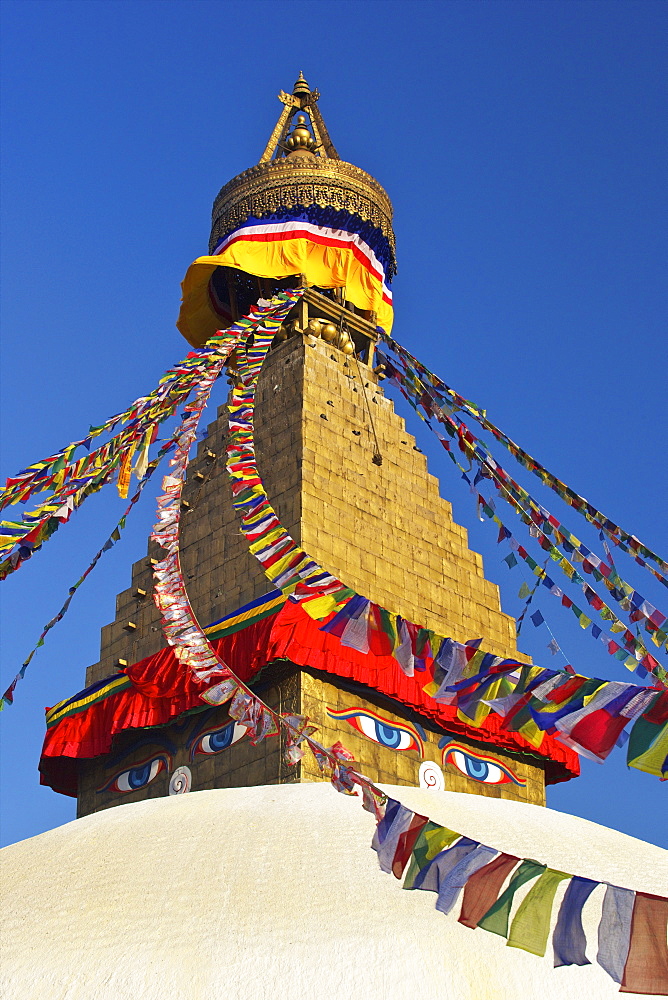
344,343
300,139
329,333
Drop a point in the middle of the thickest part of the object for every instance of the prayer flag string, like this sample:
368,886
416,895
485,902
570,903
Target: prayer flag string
620,537
115,536
632,925
542,524
401,835
73,481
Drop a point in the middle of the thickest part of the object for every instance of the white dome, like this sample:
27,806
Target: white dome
273,893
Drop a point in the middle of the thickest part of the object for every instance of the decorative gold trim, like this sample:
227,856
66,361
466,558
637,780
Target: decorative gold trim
291,181
320,130
276,135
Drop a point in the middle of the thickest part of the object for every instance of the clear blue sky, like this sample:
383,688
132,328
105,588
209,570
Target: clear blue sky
524,148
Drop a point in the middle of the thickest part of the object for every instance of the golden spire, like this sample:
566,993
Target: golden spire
301,87
302,99
301,167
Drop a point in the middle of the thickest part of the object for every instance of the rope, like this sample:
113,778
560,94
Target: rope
377,457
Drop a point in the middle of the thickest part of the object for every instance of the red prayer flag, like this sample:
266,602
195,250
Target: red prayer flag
658,710
598,731
566,690
646,969
406,843
483,888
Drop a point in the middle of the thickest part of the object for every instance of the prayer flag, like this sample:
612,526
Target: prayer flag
433,875
430,842
614,930
455,881
531,925
569,939
386,851
646,969
497,917
406,842
483,887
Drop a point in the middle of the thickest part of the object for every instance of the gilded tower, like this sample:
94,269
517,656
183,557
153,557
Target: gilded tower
346,479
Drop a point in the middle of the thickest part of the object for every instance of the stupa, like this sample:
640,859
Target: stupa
244,885
350,485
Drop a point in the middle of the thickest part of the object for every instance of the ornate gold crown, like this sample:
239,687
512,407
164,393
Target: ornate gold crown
301,169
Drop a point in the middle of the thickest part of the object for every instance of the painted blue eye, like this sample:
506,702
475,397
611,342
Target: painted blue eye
219,739
478,766
140,776
136,777
389,736
385,734
478,769
380,730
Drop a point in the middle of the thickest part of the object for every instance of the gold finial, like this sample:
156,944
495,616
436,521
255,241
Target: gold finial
300,139
301,87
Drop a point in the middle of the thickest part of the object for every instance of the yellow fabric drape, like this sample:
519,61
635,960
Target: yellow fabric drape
324,266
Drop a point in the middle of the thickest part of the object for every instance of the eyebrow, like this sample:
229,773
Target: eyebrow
163,742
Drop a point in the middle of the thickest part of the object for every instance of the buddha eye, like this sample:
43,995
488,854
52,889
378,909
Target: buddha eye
139,776
219,739
479,766
393,735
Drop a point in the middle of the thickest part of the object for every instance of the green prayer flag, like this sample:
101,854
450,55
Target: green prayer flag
648,746
389,626
497,917
524,591
531,925
116,535
430,843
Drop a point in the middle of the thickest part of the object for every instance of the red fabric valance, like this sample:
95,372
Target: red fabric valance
162,690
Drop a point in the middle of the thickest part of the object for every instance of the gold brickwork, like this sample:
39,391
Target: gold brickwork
384,529
220,573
